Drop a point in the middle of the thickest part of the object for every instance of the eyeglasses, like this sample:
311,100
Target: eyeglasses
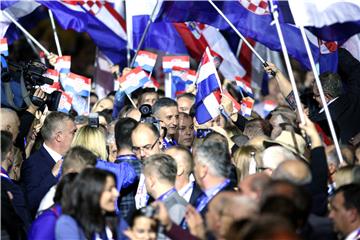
147,147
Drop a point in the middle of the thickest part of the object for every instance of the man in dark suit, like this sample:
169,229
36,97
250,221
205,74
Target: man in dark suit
42,169
211,170
184,183
342,96
160,173
8,185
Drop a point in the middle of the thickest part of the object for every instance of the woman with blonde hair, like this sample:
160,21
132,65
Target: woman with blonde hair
104,103
93,139
247,160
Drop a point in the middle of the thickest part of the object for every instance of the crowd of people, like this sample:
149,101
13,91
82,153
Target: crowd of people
164,176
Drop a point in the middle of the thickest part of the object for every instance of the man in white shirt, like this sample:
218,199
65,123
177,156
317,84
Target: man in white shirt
345,211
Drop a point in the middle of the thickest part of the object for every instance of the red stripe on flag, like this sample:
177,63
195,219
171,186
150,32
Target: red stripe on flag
116,15
245,57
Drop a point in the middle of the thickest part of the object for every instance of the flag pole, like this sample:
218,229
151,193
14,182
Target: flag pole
216,73
237,32
322,95
26,33
144,34
275,13
55,33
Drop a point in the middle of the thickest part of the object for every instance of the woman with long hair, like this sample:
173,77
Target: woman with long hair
89,208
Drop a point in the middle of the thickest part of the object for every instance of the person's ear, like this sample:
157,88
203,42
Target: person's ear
180,170
203,171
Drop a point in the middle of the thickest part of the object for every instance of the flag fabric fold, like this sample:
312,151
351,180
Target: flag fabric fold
133,80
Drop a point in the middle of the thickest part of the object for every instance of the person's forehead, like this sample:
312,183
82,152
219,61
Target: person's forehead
168,110
184,100
150,95
143,134
185,120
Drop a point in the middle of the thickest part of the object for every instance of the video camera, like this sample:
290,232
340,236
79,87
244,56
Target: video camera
146,115
28,76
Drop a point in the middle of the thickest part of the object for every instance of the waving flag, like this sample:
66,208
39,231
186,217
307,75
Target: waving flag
77,84
244,86
331,20
65,102
54,75
161,35
135,79
175,61
16,9
247,105
4,47
250,17
197,37
208,96
181,78
99,19
146,60
63,64
236,105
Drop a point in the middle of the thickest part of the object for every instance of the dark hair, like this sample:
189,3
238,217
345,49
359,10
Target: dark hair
107,114
163,102
164,166
78,157
145,91
142,212
123,130
66,180
186,95
331,83
351,193
6,143
83,201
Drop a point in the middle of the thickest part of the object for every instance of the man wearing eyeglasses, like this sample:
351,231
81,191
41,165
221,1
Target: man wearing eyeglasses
145,142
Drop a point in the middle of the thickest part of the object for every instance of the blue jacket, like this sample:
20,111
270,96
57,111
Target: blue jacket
67,228
44,226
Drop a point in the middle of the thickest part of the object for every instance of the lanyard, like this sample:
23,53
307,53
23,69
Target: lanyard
4,173
126,157
190,186
206,199
166,195
168,143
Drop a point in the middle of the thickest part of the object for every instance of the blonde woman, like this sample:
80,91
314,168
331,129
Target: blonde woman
93,139
247,160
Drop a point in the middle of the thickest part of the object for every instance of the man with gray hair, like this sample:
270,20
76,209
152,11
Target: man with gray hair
166,111
41,170
273,156
160,174
211,170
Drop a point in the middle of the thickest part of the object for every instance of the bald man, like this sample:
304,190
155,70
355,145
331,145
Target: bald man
295,171
253,185
184,183
9,121
225,208
146,142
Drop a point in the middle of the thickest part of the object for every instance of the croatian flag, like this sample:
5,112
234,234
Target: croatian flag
153,83
251,17
161,35
80,105
244,86
208,95
331,20
135,79
65,102
99,19
197,37
181,79
269,105
77,84
175,61
4,50
63,64
247,105
236,105
53,75
146,60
